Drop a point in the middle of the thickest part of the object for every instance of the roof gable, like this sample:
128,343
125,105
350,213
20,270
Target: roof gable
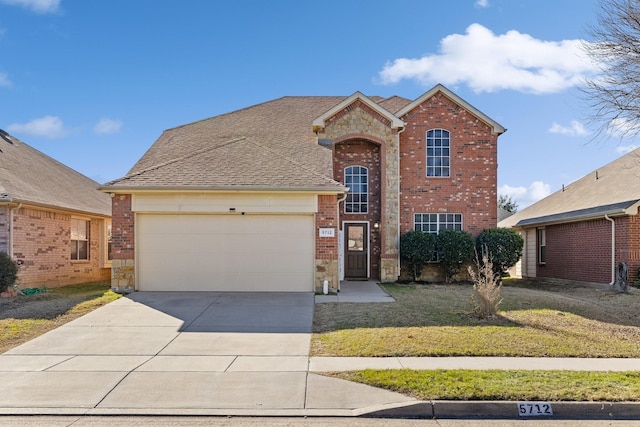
395,122
497,127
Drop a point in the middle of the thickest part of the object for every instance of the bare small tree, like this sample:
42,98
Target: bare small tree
487,286
614,95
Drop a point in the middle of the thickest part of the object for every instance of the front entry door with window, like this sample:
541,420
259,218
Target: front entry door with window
357,249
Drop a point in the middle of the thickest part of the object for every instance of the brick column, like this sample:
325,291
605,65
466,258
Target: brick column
327,247
122,243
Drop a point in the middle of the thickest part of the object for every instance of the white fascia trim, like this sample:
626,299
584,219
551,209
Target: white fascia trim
497,127
395,121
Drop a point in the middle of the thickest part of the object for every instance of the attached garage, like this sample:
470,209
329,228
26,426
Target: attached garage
225,252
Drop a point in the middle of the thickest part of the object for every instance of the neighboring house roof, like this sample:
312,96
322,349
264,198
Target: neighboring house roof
613,189
29,176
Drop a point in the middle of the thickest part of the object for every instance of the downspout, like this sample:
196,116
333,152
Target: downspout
613,249
400,130
11,210
340,200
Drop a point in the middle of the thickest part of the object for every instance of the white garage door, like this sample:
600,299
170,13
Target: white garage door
225,252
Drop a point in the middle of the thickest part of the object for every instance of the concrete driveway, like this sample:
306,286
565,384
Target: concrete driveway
182,353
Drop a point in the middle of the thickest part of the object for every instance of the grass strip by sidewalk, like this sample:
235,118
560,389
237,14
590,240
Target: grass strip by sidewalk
30,316
513,385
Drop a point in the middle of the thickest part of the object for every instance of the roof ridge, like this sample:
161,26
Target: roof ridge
301,165
177,159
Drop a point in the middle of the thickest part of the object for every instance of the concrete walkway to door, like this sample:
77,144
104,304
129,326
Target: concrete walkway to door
357,291
182,353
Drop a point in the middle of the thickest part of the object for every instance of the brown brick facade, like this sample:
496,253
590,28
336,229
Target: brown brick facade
123,242
581,251
363,153
326,247
471,188
42,243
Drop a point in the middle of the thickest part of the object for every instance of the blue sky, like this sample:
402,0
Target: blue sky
94,83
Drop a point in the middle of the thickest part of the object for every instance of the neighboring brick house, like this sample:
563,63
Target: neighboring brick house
583,231
54,221
288,194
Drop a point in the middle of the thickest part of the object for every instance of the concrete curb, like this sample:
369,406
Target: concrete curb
439,409
446,409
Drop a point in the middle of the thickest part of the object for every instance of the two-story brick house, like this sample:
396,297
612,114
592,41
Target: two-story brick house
288,194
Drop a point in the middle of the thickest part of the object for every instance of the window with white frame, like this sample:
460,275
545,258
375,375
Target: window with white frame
357,179
79,239
542,246
434,222
438,141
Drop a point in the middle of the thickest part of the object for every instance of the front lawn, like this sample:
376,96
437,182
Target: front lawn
534,319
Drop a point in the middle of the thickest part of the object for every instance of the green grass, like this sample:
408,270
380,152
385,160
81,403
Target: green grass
434,320
26,317
504,385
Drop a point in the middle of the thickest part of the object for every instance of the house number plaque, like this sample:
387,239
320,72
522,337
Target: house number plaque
327,232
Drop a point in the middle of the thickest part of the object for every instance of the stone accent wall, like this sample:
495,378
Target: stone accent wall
122,243
326,247
42,242
471,188
355,124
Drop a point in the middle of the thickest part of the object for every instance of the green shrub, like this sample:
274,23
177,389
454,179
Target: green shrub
503,245
454,248
8,271
416,250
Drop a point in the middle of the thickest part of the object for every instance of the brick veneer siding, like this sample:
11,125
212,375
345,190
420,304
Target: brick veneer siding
581,251
42,242
4,228
326,247
471,188
367,154
122,242
358,122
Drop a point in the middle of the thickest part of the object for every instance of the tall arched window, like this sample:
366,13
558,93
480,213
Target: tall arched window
438,153
357,179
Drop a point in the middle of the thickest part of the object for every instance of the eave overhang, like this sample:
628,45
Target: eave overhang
613,210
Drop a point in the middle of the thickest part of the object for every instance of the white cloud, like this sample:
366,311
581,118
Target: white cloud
526,196
38,6
48,126
488,63
107,126
482,3
624,149
4,80
575,128
622,127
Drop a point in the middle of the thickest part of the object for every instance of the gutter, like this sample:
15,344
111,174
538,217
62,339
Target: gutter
613,249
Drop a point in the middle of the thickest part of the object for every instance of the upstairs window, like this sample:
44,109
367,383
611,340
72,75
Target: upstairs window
357,179
438,141
432,222
79,239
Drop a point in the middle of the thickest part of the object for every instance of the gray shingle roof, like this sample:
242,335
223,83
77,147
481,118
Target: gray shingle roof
265,146
611,189
29,176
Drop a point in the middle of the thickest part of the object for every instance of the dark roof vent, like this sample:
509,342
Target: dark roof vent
4,135
328,143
